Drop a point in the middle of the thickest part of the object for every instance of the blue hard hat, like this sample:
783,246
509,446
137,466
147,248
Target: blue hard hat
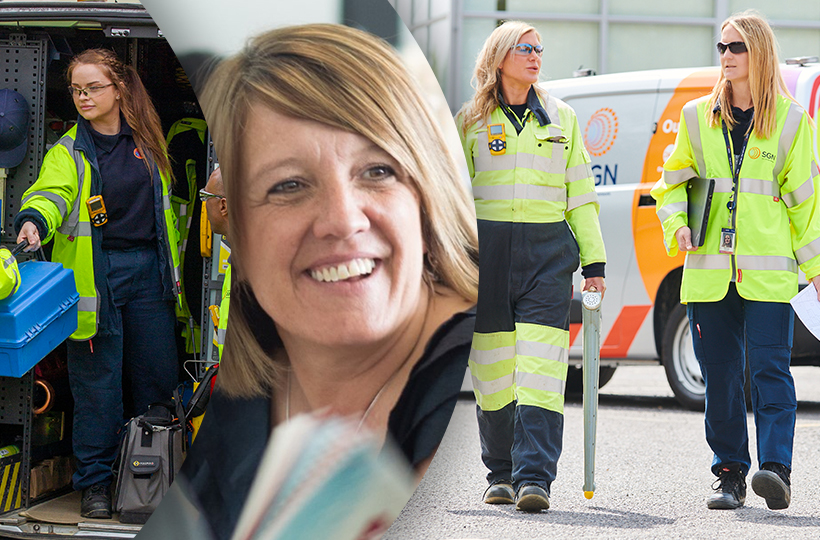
14,122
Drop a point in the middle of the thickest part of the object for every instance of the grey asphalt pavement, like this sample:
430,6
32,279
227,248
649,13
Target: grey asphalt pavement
652,475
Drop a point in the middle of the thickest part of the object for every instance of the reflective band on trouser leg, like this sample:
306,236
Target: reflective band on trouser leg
542,354
492,362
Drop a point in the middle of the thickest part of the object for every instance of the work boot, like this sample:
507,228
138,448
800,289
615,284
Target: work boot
772,483
96,503
500,493
532,498
730,489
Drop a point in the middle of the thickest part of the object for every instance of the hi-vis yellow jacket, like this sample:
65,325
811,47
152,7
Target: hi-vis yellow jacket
59,195
224,306
777,214
544,176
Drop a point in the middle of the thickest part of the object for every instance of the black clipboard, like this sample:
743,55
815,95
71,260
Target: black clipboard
699,193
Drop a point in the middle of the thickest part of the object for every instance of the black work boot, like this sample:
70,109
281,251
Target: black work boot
772,483
730,489
500,493
532,498
96,503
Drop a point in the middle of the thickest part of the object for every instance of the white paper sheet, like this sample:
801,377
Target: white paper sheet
807,307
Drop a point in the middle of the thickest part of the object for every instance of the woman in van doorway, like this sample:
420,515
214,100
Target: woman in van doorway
102,197
537,219
756,141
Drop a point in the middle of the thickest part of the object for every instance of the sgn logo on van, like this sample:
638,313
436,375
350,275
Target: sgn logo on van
599,136
601,131
755,152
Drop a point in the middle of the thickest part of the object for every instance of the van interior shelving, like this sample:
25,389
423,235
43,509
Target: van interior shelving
37,41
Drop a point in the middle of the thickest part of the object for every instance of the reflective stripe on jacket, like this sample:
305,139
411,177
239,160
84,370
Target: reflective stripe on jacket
184,210
776,222
544,175
224,305
59,195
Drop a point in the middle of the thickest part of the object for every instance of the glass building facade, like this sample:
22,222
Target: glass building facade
605,36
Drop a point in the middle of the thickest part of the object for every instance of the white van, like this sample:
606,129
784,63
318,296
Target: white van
630,121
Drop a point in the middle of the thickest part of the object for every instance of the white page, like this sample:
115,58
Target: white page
807,307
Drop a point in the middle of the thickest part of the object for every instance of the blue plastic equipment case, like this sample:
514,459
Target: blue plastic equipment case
38,317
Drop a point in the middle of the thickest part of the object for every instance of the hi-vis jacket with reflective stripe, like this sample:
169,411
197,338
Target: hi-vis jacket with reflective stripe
544,176
186,144
224,306
59,195
777,214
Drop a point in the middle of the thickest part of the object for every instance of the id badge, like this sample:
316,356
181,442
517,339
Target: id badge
727,241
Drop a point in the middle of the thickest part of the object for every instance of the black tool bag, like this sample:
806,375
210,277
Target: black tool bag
151,451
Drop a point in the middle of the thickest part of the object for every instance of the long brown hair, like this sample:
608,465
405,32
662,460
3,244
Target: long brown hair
765,79
135,104
351,80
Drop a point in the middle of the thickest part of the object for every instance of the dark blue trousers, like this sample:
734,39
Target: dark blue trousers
139,360
718,331
526,277
521,444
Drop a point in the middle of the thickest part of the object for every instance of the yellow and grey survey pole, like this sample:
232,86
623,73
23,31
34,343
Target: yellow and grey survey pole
591,301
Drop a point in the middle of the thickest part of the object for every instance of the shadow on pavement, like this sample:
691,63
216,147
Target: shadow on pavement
596,517
769,517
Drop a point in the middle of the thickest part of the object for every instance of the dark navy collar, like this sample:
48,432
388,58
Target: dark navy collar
84,142
533,104
86,136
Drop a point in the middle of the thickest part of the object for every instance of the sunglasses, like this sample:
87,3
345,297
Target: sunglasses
736,47
205,195
525,49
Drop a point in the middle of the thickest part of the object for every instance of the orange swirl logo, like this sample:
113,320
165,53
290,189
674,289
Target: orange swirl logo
601,131
754,152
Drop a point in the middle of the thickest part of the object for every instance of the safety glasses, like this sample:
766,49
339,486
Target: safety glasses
205,195
736,47
525,49
91,91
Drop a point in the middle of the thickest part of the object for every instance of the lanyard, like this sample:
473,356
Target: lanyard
735,169
513,118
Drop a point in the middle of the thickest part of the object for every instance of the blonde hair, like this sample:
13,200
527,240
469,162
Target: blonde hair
347,79
487,78
765,79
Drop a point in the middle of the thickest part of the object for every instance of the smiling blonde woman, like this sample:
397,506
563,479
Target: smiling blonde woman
354,254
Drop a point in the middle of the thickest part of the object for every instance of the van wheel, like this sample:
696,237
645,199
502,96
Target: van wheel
680,363
575,378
